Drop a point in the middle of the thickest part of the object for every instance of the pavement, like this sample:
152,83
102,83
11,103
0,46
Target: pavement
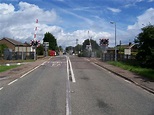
10,75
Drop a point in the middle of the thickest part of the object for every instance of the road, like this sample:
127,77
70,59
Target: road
73,86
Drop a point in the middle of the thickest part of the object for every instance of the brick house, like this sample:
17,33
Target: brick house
16,46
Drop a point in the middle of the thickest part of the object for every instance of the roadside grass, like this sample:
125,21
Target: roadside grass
145,72
5,68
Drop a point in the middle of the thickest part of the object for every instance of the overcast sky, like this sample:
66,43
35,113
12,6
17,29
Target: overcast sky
69,20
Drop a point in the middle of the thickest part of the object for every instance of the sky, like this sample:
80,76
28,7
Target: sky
69,20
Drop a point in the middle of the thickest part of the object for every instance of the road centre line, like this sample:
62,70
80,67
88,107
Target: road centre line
13,81
68,106
72,73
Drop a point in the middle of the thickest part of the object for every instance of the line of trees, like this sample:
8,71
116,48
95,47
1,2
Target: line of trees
81,49
2,47
48,37
145,42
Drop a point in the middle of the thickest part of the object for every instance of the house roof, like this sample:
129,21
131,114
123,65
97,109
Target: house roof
126,46
14,42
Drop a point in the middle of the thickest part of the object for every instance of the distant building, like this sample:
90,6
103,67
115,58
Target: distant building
122,48
16,46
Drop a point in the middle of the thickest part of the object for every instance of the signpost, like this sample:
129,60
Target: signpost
46,46
104,46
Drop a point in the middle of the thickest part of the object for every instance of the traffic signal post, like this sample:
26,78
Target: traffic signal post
104,46
35,44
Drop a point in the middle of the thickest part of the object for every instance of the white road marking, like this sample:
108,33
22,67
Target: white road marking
86,59
99,67
13,81
58,64
72,73
29,71
32,70
43,63
128,81
68,106
1,88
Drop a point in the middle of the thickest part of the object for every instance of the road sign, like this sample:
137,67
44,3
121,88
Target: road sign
127,51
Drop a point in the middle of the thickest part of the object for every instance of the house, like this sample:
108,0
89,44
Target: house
16,46
127,49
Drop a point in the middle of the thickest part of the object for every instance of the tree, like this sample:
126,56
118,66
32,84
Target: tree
40,50
60,48
78,48
69,49
145,42
2,47
48,37
94,44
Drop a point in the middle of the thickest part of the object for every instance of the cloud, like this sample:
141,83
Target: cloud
20,24
6,8
115,10
144,19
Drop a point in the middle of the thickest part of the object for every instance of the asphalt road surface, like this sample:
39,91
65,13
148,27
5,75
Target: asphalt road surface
73,86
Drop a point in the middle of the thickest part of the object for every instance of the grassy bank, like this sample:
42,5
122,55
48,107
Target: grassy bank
5,68
148,73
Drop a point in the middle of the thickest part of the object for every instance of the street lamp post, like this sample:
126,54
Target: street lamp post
90,46
115,54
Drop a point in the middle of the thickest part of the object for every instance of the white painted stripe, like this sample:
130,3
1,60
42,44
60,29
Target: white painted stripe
1,88
58,64
13,81
43,63
67,89
128,81
32,70
72,73
99,66
67,68
86,59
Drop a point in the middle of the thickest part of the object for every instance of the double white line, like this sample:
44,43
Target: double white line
69,68
70,73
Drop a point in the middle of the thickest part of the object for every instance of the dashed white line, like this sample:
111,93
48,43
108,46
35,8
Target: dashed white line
1,88
13,81
29,71
43,63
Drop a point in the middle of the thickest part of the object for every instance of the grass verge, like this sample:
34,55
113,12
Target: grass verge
145,72
5,68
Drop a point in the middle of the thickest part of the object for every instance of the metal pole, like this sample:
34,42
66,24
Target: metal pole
90,50
115,43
